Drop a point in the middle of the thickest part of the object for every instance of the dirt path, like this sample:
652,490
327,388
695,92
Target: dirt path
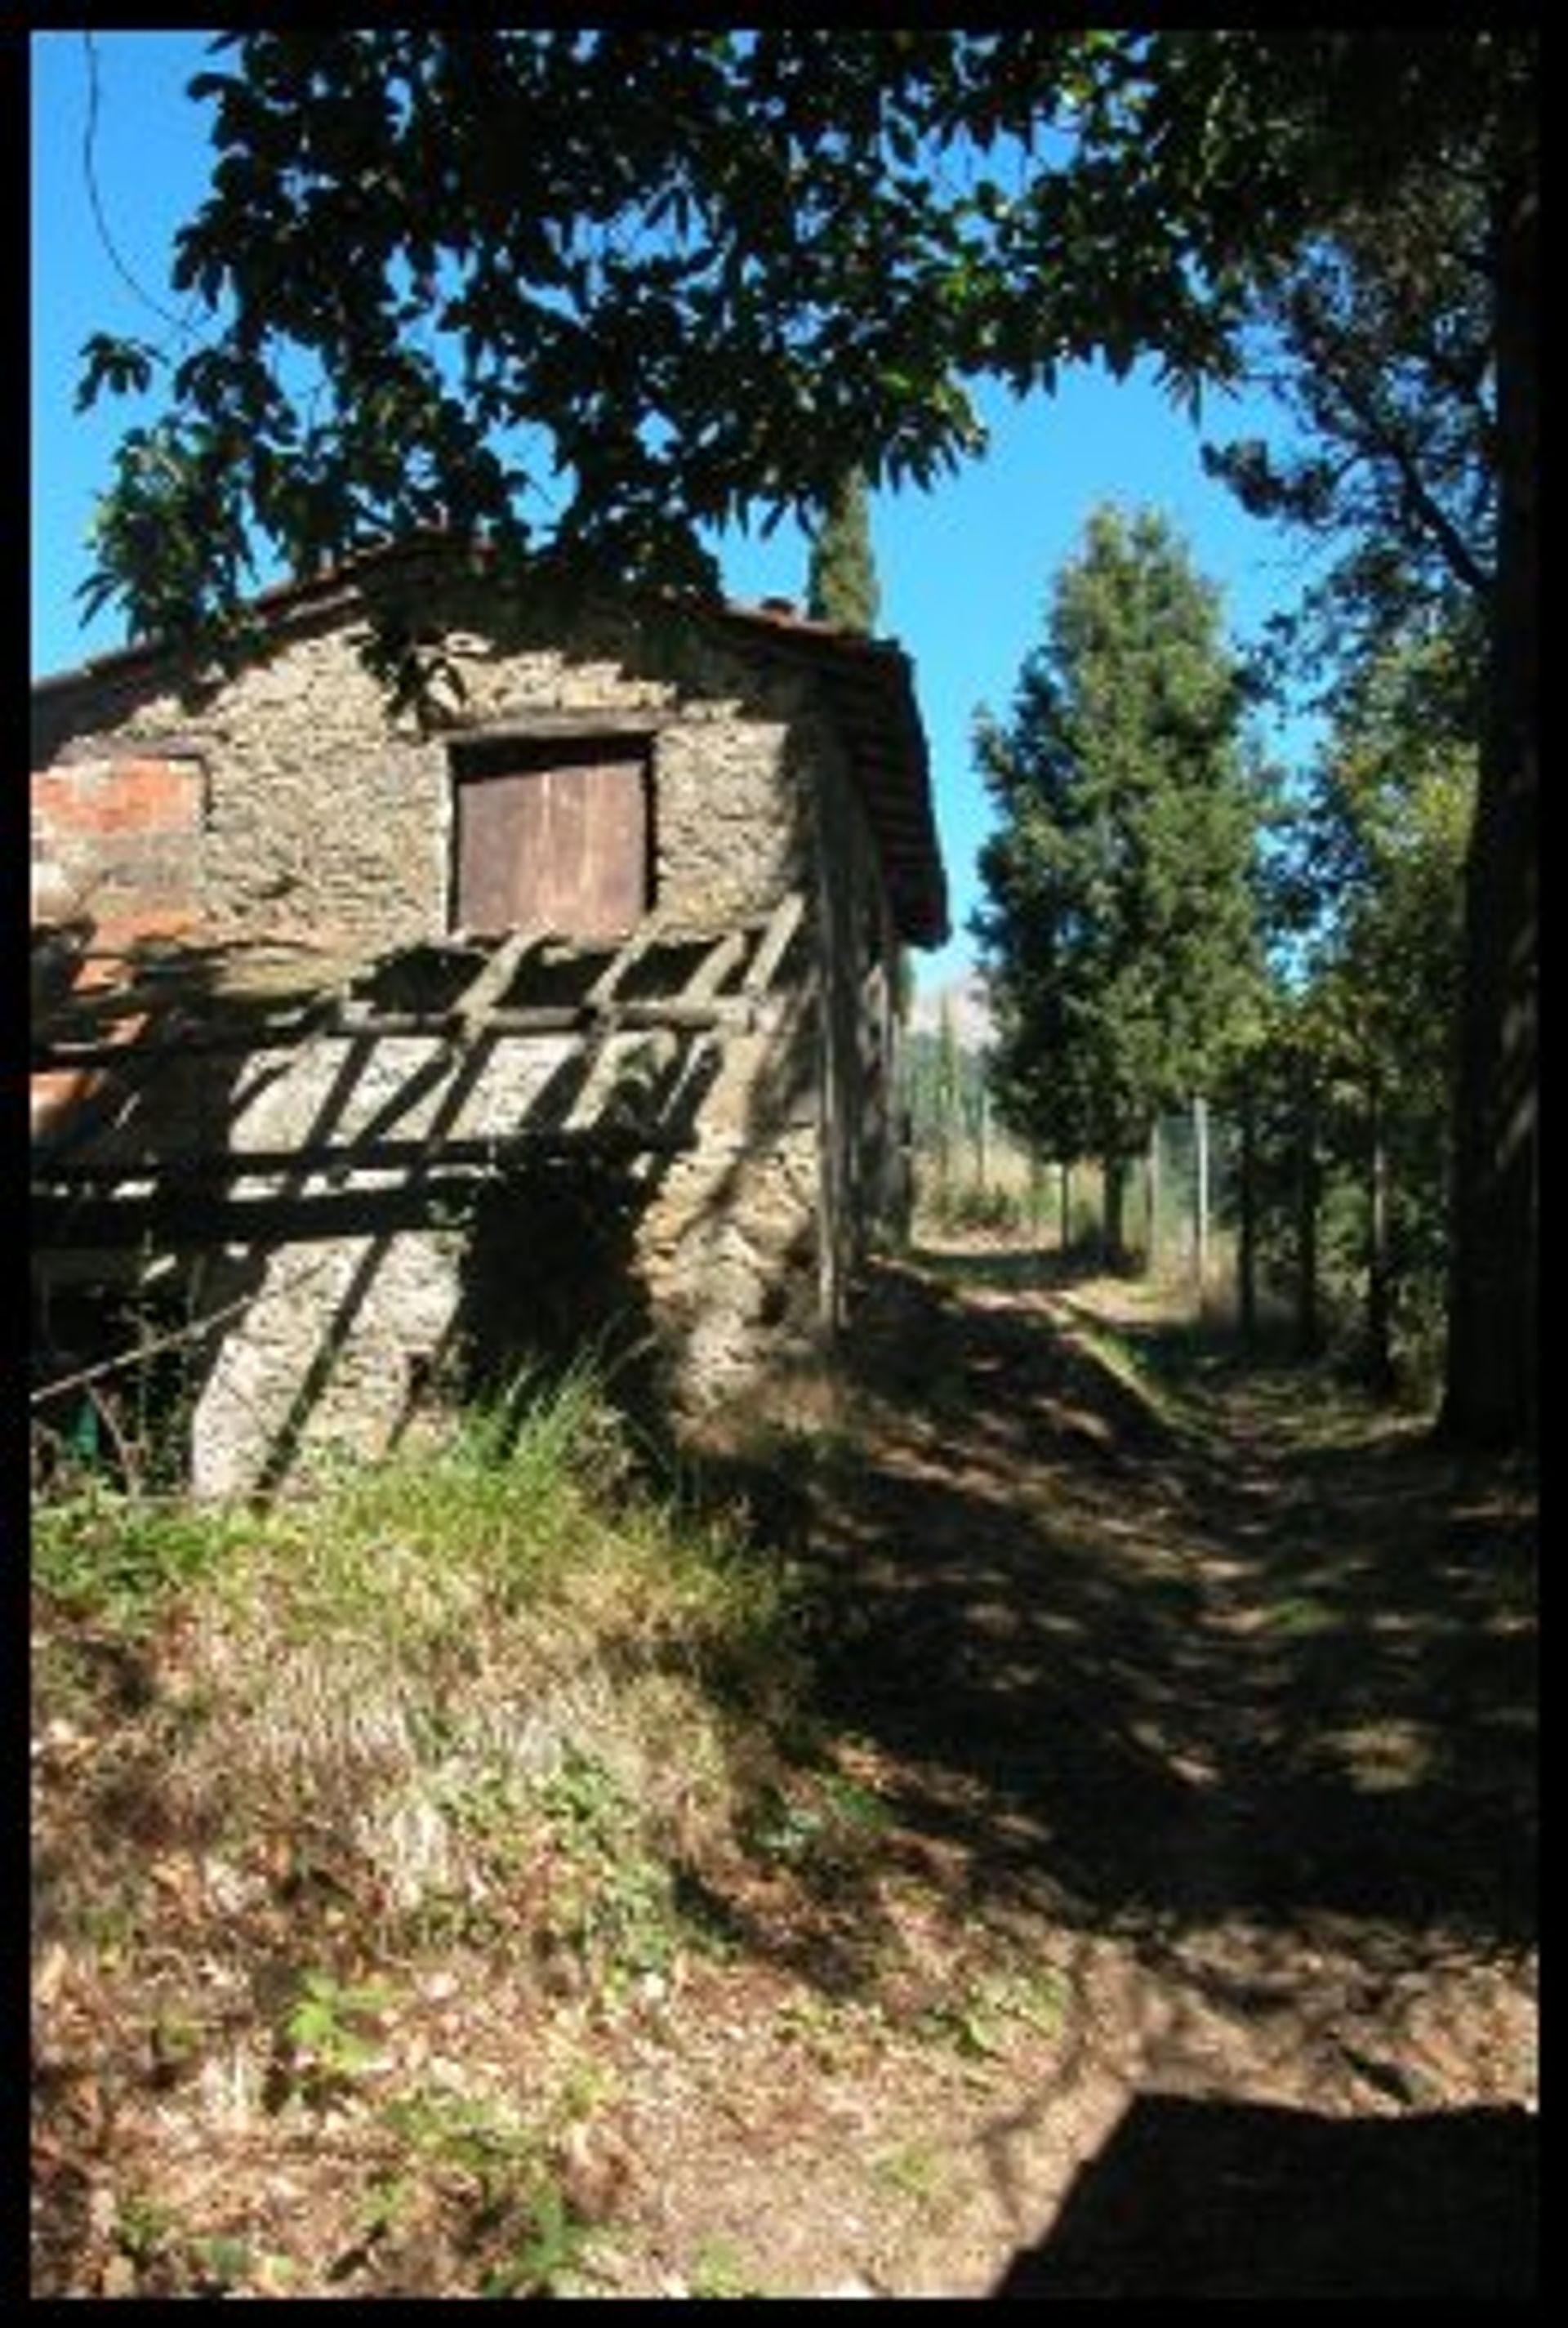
1209,1727
1153,1913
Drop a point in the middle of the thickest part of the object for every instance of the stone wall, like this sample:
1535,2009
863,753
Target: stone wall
329,816
714,1282
326,818
858,1141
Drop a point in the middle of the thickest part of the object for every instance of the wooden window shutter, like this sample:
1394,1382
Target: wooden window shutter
552,837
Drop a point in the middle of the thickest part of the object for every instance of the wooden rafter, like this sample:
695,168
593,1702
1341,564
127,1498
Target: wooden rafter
721,958
468,1014
620,964
332,1013
773,943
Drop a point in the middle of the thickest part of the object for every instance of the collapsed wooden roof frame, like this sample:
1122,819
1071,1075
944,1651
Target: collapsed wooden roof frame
720,997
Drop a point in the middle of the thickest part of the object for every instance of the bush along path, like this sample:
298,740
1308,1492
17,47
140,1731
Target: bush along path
1105,1867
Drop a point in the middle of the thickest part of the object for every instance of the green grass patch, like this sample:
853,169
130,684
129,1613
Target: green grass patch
441,1665
122,1559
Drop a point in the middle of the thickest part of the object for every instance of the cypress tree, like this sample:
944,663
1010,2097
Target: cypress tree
841,585
1119,935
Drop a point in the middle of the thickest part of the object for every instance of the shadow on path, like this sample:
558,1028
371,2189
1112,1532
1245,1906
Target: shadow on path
1172,1675
1221,2199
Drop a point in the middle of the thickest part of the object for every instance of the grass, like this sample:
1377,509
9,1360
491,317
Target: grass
420,1645
489,1697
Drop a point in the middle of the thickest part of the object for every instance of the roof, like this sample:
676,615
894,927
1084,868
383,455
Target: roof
869,683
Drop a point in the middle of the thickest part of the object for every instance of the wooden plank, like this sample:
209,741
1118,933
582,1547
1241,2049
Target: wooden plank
217,1168
781,928
534,727
364,1020
612,804
715,967
562,847
359,1021
482,900
478,997
623,959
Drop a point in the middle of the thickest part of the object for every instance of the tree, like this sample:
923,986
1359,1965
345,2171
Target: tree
843,585
1393,808
674,278
444,278
1119,933
1346,1091
1377,348
1406,354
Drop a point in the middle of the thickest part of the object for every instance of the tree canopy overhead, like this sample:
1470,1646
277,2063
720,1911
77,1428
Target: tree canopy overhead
590,293
593,291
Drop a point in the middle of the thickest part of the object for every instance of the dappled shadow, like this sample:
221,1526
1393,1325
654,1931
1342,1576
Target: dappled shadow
1192,2198
1011,1268
268,1128
1156,1681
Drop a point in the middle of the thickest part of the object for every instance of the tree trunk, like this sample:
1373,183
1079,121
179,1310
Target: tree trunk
1065,1193
1491,1377
1115,1172
1151,1239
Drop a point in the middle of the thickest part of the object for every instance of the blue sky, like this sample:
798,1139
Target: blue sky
965,569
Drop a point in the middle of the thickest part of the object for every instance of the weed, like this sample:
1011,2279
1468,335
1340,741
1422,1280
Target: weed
554,2246
166,2259
984,2021
514,2207
327,2034
719,2270
836,2034
222,2260
144,2227
175,2042
386,2205
110,1925
615,1905
121,1558
1296,1617
913,2170
397,1655
826,1819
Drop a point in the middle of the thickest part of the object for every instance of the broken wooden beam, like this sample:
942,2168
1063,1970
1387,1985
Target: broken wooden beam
343,1159
773,943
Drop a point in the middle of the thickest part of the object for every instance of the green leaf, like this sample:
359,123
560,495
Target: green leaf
123,366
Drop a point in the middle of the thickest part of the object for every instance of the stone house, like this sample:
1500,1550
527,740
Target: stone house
380,1043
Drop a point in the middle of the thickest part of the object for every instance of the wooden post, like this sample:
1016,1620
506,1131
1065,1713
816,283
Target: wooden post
1200,1195
1247,1225
1379,1291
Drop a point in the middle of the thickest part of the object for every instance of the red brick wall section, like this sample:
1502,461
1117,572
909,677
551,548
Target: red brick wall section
122,839
116,858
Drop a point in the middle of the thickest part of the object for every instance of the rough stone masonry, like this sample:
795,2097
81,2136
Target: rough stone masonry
292,804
